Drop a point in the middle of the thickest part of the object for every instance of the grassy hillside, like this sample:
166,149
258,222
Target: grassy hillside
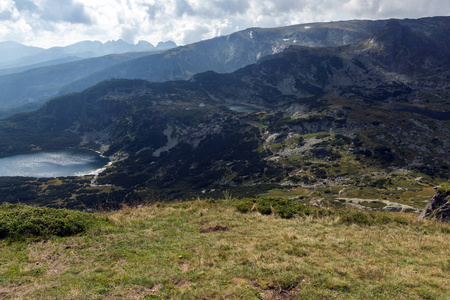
211,250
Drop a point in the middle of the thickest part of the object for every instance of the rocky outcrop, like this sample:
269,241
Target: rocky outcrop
439,206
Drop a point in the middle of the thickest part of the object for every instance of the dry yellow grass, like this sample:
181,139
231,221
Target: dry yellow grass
201,250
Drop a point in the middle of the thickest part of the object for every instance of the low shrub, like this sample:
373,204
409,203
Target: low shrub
285,208
244,206
20,221
264,208
288,208
370,218
356,217
305,210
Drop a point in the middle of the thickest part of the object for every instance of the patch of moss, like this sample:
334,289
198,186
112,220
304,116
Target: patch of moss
445,187
373,204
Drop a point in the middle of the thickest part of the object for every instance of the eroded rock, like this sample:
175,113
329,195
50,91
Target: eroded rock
439,206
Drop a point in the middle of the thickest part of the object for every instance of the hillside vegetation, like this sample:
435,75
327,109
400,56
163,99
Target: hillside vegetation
207,249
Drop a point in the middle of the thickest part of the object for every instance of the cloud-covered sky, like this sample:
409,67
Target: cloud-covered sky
47,23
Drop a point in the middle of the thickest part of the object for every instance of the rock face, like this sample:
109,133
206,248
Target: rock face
439,207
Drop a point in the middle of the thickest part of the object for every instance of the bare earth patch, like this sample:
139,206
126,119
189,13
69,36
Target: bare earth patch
214,229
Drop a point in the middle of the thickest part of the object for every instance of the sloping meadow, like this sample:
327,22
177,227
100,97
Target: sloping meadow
214,250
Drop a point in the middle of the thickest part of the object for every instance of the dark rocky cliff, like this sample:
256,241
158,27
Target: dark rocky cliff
439,206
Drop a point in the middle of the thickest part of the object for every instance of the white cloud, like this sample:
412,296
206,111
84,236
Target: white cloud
64,11
62,22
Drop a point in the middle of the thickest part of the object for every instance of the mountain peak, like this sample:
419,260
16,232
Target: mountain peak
401,49
395,35
144,43
166,45
118,42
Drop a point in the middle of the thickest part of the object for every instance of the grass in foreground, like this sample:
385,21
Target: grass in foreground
202,250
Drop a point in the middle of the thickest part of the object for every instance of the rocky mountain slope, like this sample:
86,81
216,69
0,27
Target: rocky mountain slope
221,54
306,117
439,206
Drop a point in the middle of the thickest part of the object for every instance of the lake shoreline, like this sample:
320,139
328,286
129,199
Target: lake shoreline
53,163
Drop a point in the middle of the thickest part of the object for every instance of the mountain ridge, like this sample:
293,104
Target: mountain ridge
321,116
83,49
221,54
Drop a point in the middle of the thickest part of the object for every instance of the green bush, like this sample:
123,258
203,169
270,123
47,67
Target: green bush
244,206
21,221
305,210
285,208
286,212
264,208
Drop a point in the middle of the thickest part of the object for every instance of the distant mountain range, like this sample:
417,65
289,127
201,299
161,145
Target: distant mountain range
29,76
304,116
30,89
15,56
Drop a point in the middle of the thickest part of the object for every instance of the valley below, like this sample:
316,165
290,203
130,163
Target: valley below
285,163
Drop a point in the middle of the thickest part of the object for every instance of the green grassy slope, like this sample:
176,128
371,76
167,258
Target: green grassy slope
206,250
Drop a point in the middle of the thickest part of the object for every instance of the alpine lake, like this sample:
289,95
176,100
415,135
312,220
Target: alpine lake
61,163
242,108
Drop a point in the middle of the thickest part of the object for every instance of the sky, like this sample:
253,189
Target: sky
48,23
